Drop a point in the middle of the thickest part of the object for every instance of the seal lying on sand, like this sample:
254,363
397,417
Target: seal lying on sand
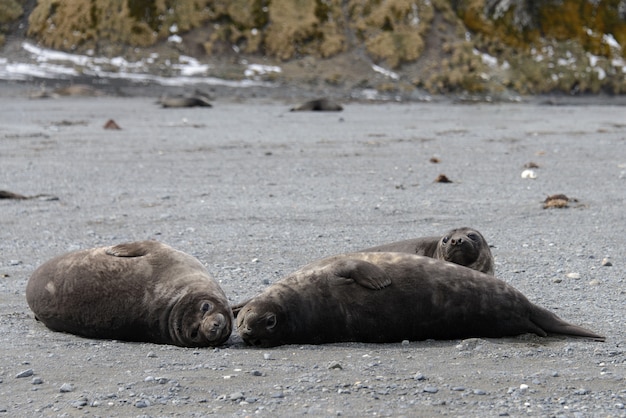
322,105
138,291
464,246
387,297
184,101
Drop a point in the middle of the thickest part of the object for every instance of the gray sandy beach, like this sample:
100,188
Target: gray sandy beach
255,192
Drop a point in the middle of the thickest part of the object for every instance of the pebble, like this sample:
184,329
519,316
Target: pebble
581,391
151,354
25,373
529,174
37,381
267,356
66,387
80,403
142,403
606,262
334,365
236,396
405,342
573,275
479,392
431,389
419,376
256,373
278,395
458,388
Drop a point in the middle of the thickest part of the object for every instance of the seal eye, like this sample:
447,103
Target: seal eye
206,306
270,321
472,236
444,240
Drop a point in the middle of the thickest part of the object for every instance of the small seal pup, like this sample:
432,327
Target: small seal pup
464,246
137,291
389,297
320,105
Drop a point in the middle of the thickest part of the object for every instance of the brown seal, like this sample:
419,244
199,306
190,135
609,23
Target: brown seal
138,291
464,246
388,297
320,105
185,101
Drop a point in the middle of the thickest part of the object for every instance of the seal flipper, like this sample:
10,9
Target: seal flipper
236,308
362,273
129,249
551,323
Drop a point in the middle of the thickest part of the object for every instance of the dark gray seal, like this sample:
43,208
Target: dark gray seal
137,291
388,297
464,246
185,101
320,105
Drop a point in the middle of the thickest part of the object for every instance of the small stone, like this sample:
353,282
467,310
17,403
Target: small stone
431,389
606,262
458,388
142,403
523,387
278,395
151,354
25,373
479,392
619,405
594,282
405,342
66,387
581,391
529,174
37,381
256,373
267,356
419,376
15,262
162,380
149,379
334,365
80,403
236,396
573,275
557,280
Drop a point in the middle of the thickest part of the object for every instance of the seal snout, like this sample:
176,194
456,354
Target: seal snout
215,326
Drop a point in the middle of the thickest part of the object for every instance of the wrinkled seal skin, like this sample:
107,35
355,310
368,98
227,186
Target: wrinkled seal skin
389,297
138,291
464,246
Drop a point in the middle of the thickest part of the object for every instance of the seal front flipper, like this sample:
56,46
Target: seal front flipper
238,307
129,249
360,272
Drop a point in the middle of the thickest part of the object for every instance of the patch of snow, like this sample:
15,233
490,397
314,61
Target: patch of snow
259,69
385,72
611,41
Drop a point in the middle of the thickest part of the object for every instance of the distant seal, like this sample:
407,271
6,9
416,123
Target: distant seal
184,101
389,297
464,246
322,105
137,291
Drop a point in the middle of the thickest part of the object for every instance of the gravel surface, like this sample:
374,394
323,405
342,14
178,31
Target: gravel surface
255,192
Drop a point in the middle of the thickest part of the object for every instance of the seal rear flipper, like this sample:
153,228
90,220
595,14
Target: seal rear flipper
236,308
362,273
130,249
551,323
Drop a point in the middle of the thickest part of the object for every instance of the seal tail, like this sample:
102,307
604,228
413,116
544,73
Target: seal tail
551,323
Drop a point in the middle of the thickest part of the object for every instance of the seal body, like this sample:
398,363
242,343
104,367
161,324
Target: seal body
464,246
184,101
138,291
319,105
388,297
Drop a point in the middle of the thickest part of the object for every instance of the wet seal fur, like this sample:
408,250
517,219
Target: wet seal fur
184,101
464,246
137,291
390,297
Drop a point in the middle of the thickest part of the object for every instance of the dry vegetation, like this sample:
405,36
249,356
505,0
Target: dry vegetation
537,47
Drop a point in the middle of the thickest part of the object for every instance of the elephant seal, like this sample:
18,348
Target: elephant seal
389,297
321,105
464,246
138,291
184,101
